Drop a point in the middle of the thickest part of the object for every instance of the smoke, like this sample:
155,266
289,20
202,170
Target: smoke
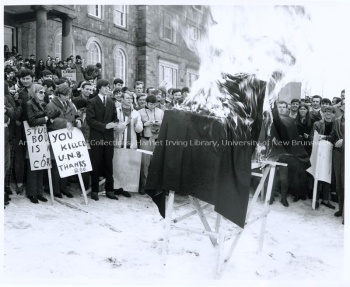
264,41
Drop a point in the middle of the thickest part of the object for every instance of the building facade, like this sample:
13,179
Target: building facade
133,42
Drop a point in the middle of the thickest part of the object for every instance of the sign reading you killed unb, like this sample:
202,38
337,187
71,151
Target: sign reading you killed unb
38,147
70,150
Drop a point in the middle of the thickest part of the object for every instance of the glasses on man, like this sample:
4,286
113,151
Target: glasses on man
41,92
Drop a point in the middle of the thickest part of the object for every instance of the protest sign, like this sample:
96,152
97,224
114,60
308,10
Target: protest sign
70,151
321,159
321,163
126,169
38,146
69,74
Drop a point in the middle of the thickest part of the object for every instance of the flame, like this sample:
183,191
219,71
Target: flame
259,40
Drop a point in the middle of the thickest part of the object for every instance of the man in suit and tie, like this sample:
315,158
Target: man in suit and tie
102,118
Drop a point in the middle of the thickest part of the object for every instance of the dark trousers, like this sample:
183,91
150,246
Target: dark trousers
58,184
34,181
20,154
7,151
281,182
101,157
296,175
323,190
338,165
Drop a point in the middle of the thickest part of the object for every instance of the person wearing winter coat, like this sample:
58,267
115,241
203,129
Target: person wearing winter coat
67,117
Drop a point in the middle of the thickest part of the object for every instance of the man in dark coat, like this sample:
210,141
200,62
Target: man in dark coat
101,116
64,115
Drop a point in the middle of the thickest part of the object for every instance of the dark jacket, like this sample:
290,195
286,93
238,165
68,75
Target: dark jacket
98,116
79,71
337,133
36,113
318,126
66,115
79,102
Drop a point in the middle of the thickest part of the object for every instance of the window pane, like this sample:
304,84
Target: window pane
58,45
119,15
120,65
94,54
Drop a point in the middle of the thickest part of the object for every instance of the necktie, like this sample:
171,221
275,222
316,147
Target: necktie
104,100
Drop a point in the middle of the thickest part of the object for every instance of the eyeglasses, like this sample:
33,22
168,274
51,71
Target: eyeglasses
41,92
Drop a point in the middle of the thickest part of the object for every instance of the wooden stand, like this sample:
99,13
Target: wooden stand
219,235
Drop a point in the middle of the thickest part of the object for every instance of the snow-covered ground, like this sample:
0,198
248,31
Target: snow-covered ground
119,242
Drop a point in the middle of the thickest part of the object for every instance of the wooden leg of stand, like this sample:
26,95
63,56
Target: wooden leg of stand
221,244
168,214
268,195
258,190
202,217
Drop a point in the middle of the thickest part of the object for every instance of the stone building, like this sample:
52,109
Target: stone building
132,42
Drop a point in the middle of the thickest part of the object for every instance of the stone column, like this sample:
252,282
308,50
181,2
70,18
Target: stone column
67,36
41,34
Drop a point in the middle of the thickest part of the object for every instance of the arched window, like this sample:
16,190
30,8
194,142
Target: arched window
58,44
119,64
94,54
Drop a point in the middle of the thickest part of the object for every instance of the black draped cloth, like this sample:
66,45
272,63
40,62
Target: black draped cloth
205,158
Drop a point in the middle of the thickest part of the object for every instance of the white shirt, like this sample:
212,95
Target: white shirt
101,97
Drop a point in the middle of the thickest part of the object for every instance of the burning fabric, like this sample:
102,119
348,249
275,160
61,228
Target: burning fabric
209,157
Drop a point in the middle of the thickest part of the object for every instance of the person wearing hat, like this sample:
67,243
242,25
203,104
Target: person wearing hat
78,67
67,118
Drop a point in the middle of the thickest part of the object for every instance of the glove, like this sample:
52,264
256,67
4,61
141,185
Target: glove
53,114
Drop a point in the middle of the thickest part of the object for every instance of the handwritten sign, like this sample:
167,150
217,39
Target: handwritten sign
321,159
69,74
126,169
70,150
38,147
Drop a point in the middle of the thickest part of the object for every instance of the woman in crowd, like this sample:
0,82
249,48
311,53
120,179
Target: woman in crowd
304,126
39,68
36,117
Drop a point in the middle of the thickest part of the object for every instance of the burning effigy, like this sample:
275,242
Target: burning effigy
205,146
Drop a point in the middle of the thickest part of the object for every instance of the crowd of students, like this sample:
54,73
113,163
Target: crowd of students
38,94
102,110
327,118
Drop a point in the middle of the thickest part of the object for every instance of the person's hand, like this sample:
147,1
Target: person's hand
120,127
52,114
69,126
339,143
110,125
15,97
78,124
148,123
306,136
158,123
